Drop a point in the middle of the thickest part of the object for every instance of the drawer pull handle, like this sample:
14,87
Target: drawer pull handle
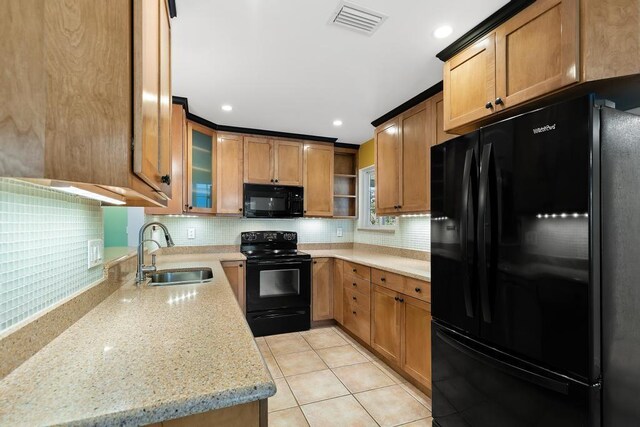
418,290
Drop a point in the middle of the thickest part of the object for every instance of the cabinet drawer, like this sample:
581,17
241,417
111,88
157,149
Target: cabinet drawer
356,284
391,281
354,299
357,270
417,288
359,322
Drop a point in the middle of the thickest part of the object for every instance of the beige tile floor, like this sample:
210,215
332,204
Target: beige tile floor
325,378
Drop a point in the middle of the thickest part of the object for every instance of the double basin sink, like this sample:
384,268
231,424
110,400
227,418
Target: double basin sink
182,276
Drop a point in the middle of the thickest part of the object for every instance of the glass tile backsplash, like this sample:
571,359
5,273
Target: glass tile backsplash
226,231
412,232
43,248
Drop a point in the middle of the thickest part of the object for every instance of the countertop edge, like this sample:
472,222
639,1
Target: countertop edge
373,264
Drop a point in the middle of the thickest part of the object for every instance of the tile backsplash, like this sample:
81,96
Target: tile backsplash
412,232
43,248
226,231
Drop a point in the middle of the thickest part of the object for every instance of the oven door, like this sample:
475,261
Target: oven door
268,201
274,284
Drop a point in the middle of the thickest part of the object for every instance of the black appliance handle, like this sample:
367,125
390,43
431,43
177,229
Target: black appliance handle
482,214
464,221
508,368
276,315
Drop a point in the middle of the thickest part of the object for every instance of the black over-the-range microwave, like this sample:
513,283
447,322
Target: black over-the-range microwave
273,201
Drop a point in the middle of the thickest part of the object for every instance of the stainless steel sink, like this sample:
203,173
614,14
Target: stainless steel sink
183,276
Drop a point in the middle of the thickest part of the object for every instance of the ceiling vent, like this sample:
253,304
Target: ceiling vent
357,18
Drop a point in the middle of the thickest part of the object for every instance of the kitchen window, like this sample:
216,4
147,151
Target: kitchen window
368,218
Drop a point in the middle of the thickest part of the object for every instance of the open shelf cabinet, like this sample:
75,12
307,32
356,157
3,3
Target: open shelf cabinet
345,183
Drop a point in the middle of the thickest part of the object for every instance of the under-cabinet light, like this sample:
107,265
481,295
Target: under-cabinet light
90,195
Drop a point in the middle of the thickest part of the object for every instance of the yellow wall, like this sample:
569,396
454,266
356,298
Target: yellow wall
366,154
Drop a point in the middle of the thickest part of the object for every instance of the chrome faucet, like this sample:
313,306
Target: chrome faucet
144,269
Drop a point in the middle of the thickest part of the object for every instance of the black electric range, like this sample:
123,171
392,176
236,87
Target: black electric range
278,282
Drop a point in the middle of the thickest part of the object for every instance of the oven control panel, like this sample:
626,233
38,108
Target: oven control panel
268,236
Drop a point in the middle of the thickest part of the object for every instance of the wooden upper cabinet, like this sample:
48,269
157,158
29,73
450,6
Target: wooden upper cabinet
269,161
385,322
176,204
322,289
440,135
201,169
416,339
388,157
470,83
318,179
152,93
258,160
288,160
229,173
402,158
537,51
416,137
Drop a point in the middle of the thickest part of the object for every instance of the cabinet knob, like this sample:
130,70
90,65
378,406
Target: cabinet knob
401,299
354,270
315,262
353,284
399,206
240,210
276,180
354,298
499,101
382,279
305,212
165,179
488,105
418,290
190,207
353,312
240,265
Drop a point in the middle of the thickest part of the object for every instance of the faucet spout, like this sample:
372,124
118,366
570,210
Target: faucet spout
142,269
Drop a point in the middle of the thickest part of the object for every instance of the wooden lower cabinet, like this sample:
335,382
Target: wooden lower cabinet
356,301
322,289
234,270
385,322
337,290
415,339
252,414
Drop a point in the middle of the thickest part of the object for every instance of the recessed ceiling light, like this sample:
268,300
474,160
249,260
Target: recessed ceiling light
227,107
442,32
337,122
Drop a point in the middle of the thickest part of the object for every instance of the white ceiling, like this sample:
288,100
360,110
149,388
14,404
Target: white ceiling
283,67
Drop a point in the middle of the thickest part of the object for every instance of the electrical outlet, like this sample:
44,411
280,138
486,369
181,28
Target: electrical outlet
95,253
191,233
339,231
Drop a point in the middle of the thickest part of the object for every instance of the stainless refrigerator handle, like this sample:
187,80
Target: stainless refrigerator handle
507,368
464,220
482,211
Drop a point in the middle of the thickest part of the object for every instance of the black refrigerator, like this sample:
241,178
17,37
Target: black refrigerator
535,257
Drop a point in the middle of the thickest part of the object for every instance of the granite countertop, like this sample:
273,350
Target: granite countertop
143,355
418,269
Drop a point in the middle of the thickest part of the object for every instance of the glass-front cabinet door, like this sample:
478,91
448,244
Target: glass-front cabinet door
201,169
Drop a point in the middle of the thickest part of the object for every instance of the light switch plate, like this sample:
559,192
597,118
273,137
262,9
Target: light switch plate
95,253
339,232
191,233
